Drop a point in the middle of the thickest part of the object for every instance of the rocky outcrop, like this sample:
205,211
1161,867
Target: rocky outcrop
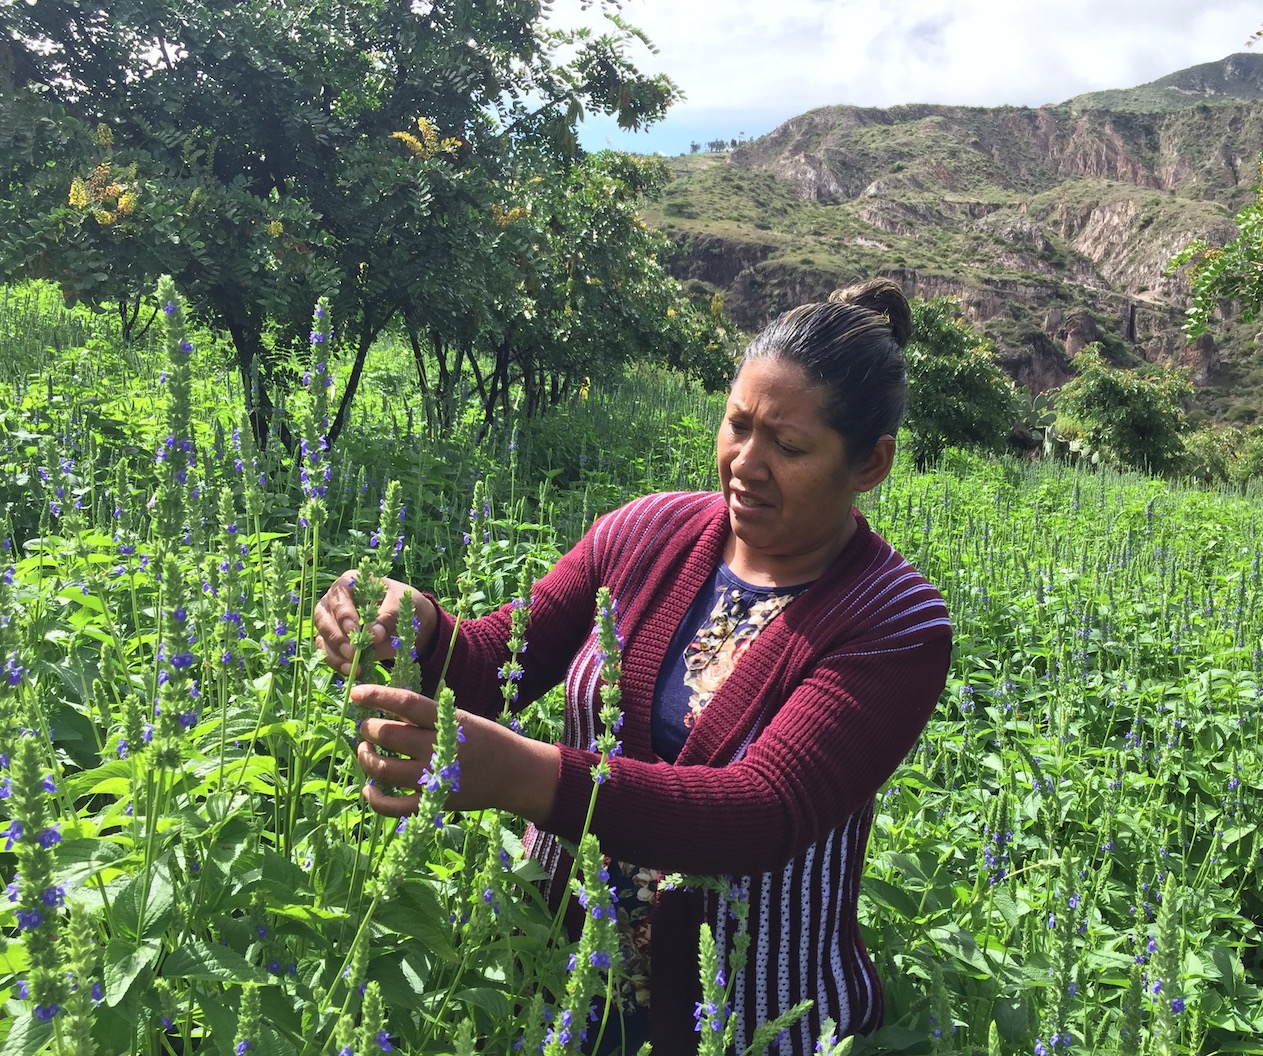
1053,227
714,260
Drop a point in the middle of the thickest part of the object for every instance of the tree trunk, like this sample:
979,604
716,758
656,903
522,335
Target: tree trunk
247,340
427,397
367,335
497,390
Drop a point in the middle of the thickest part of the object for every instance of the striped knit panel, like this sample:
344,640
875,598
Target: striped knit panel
891,601
811,905
583,703
638,530
806,944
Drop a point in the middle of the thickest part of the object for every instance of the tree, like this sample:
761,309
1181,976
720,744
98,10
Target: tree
265,155
595,294
958,395
1233,272
1133,418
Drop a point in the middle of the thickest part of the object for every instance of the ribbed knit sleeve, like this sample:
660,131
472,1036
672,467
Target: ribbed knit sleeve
825,753
820,711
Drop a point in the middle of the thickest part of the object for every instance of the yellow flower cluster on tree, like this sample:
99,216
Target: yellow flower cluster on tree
101,193
427,144
276,228
504,217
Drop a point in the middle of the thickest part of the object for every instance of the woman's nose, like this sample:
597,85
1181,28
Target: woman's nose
748,462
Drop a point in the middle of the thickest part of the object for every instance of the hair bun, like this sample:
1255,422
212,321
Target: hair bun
885,297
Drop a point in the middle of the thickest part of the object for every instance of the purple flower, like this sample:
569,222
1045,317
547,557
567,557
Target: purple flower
243,1046
29,920
46,1012
49,838
383,1041
14,832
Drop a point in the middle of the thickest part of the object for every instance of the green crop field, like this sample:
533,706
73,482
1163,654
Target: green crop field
1069,861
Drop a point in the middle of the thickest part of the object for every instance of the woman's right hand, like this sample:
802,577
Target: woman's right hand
337,618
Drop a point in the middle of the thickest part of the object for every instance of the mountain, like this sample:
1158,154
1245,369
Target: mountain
1053,226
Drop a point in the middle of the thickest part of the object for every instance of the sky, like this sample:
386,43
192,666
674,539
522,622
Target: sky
747,66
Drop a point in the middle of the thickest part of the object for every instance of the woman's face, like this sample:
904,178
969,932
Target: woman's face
785,476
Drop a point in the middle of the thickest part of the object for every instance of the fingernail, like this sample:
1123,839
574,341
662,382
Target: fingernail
378,632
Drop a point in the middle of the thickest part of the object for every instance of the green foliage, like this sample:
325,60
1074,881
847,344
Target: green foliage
1134,418
1098,743
1223,456
958,395
360,152
1232,272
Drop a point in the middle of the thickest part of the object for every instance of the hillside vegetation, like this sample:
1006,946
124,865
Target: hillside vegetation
1053,226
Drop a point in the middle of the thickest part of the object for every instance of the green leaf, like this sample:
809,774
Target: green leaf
1007,907
27,1036
156,901
124,961
887,895
79,860
205,960
1011,1018
489,1000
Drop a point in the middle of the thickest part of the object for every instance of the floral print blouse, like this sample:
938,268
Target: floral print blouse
717,630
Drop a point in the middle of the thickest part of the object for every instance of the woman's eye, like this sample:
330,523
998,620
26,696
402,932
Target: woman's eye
789,450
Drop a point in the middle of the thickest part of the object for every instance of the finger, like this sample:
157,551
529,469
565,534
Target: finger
335,619
402,703
390,806
398,738
335,661
383,632
339,600
385,770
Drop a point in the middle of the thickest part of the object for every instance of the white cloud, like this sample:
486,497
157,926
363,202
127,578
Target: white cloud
747,65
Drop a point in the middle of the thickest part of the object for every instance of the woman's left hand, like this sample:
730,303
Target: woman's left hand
498,768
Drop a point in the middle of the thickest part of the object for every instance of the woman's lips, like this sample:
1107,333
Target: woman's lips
744,501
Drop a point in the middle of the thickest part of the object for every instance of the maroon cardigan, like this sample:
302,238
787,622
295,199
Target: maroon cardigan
775,784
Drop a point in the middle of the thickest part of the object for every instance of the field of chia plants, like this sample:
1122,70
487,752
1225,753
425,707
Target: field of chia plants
1069,861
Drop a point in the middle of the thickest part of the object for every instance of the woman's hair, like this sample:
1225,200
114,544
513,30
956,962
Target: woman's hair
852,347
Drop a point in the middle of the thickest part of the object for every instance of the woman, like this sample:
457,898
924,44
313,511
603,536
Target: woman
763,769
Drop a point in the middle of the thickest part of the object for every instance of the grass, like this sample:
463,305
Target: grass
1071,852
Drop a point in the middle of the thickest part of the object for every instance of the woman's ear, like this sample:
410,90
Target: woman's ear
876,468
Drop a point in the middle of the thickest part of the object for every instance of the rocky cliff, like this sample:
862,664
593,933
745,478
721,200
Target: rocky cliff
1052,226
